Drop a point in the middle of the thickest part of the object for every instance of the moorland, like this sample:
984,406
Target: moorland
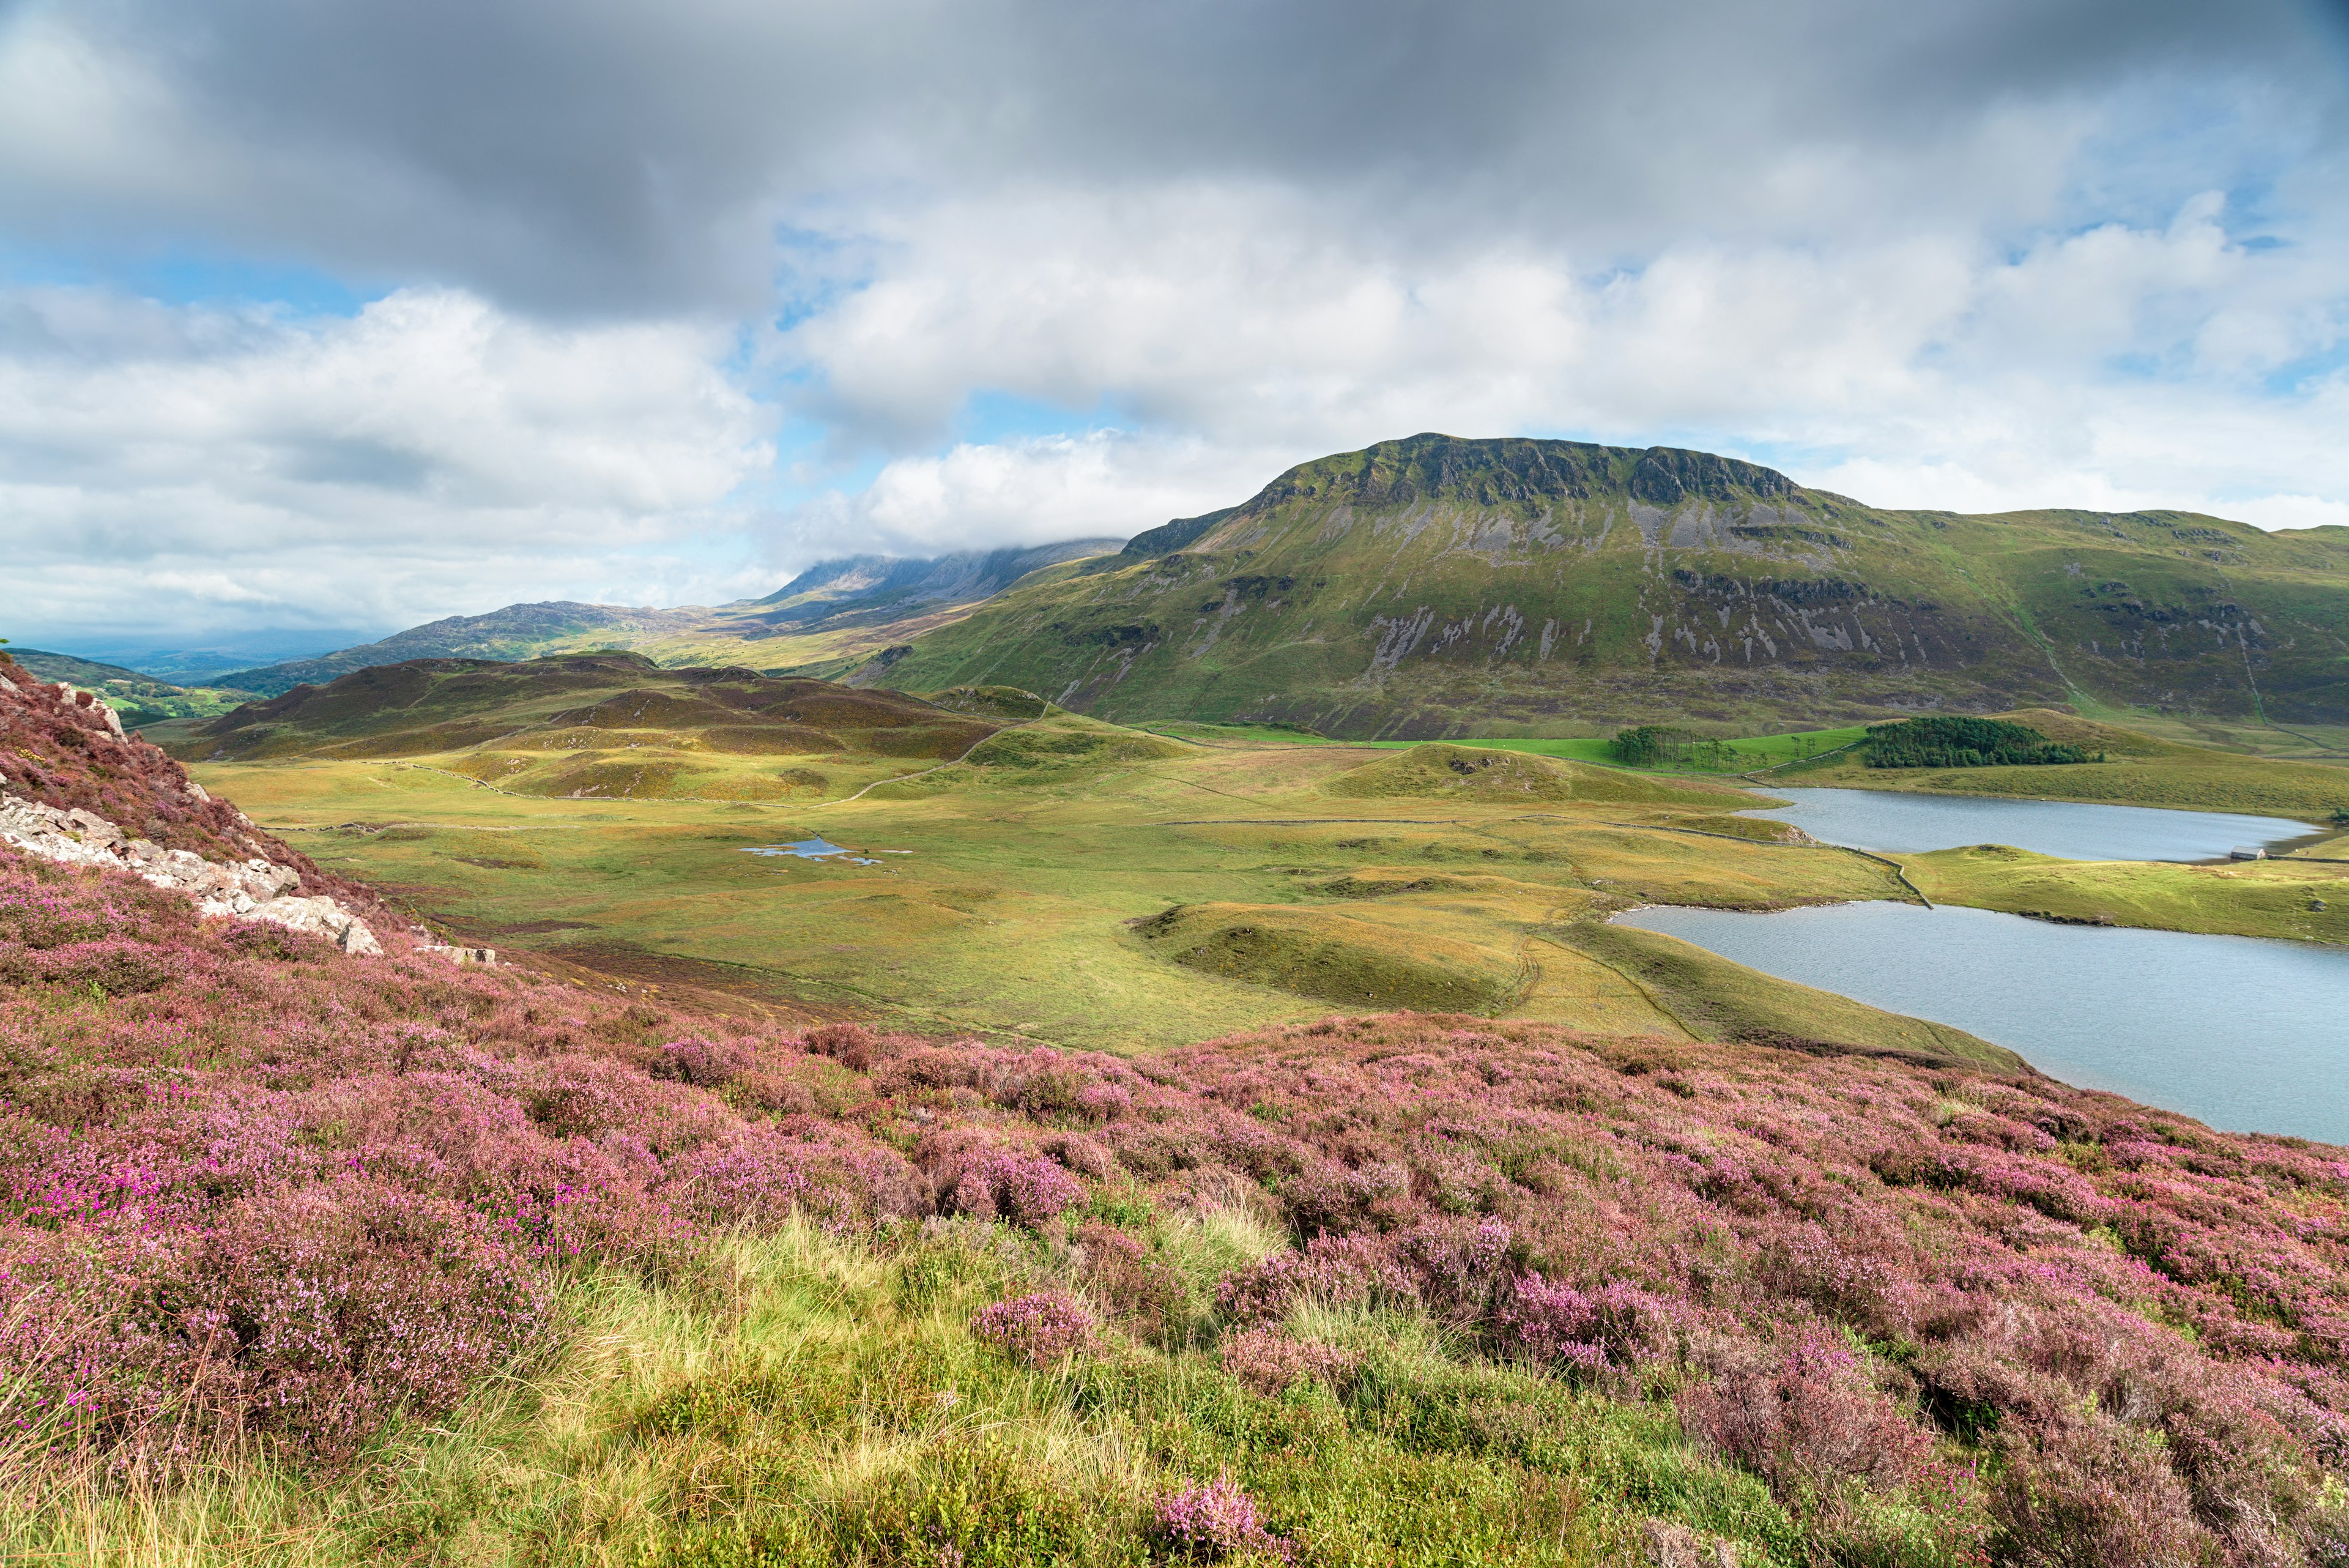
320,1259
1437,587
1028,873
1139,1068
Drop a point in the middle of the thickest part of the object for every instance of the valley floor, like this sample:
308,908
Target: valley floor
1087,896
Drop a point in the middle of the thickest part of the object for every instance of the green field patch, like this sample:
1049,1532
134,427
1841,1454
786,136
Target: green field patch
1059,748
2138,769
990,702
1443,771
1714,998
2303,901
1322,953
594,776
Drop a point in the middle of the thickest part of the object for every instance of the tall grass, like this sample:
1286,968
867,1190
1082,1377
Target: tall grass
804,1395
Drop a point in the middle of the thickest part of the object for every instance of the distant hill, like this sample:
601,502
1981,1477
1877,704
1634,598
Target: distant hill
574,712
517,631
877,585
835,613
138,699
86,673
1424,587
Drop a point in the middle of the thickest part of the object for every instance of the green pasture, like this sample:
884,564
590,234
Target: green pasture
1077,883
1015,893
1748,752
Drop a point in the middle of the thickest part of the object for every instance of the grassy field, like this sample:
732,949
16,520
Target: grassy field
1748,752
2139,769
2299,902
1020,871
1071,881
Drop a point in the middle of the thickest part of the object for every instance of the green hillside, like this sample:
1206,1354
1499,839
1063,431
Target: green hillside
1435,586
139,698
604,725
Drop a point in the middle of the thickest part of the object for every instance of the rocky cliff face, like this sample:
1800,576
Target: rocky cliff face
75,789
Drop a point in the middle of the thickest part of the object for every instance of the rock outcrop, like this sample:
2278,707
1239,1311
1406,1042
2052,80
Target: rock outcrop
253,889
71,779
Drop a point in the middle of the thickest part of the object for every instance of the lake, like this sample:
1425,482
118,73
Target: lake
1882,820
2248,1036
810,849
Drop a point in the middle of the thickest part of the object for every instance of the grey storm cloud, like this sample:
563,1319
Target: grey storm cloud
602,157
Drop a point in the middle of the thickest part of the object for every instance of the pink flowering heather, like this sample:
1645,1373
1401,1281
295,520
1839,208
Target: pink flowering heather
1268,1361
1036,1330
1210,1523
1614,1324
1028,1190
1334,1270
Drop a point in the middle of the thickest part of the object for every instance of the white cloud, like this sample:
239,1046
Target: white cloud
427,453
2019,253
1032,491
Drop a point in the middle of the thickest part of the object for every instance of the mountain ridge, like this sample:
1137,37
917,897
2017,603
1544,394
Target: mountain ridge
1418,586
865,600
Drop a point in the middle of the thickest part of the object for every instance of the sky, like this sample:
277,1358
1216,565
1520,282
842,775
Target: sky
325,319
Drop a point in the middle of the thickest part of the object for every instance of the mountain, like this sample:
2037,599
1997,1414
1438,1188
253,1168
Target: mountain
1422,586
570,719
874,586
835,615
517,631
139,698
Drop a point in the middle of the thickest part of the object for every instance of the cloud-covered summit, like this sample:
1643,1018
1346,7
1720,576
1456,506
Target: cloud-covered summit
663,301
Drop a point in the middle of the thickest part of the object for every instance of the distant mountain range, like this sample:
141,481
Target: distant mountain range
1435,586
830,616
1421,587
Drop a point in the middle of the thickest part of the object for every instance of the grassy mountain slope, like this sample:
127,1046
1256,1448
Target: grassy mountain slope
1421,587
839,613
139,698
591,725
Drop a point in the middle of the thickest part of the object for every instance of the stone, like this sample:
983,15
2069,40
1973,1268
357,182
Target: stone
255,889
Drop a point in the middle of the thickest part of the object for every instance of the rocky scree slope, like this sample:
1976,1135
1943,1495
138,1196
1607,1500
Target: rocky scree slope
257,1197
1419,585
70,778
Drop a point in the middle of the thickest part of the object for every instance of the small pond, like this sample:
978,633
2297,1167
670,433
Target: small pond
1883,820
810,849
2248,1036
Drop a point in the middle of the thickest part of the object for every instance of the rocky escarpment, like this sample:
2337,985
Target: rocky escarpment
77,790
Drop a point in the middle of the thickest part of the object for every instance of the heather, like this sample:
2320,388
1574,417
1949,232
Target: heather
408,1263
61,752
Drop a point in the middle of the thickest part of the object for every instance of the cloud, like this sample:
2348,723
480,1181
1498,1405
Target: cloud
2010,254
1102,484
342,469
